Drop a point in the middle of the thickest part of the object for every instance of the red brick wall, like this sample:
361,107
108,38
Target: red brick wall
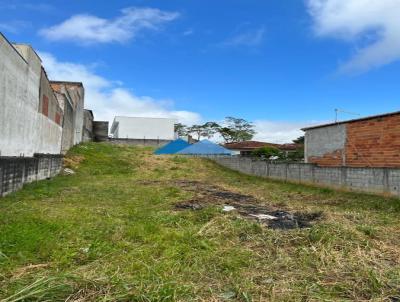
45,105
333,159
374,143
58,118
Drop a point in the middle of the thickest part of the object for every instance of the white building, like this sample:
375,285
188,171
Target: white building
143,128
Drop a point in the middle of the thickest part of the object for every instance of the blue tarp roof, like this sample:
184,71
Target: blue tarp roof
205,147
172,147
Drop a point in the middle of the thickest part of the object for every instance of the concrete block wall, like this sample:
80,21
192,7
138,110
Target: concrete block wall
372,180
17,171
139,142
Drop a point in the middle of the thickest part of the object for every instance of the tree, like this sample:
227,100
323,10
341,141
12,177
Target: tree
267,152
209,129
299,140
180,129
236,130
195,130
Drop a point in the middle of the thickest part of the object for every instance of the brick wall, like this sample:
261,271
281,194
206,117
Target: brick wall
368,143
333,159
374,143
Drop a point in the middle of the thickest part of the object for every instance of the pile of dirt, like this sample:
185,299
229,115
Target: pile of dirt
246,205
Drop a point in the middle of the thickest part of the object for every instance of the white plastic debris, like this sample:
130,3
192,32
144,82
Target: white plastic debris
264,216
68,171
228,208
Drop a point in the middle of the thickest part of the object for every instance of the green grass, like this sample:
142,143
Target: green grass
102,234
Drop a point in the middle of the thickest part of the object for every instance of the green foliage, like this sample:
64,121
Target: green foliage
267,152
236,130
297,155
181,129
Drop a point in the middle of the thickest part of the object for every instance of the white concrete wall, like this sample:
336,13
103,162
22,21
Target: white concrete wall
325,140
144,128
23,130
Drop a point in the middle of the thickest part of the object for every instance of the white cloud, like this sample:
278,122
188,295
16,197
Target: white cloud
88,29
107,99
279,132
375,23
249,37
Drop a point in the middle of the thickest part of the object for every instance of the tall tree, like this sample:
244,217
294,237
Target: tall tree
196,131
209,129
181,129
236,130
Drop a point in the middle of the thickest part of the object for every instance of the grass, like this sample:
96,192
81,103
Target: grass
102,234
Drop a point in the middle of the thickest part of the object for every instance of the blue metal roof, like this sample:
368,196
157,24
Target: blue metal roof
172,147
205,147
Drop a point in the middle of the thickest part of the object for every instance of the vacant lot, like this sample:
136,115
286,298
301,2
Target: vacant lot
130,226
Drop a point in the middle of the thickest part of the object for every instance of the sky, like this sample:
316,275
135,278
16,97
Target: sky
281,64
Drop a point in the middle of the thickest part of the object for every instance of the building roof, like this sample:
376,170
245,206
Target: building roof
253,145
248,145
172,147
67,83
205,147
89,111
353,120
289,147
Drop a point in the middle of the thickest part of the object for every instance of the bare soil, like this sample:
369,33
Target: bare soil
246,206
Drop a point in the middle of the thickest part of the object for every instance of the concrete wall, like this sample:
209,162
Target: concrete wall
100,131
328,142
23,130
143,128
68,123
48,103
139,142
16,171
87,125
75,94
372,180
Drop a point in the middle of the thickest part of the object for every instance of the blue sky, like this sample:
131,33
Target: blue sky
282,64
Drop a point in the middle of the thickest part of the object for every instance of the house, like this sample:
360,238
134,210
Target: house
143,129
372,141
246,148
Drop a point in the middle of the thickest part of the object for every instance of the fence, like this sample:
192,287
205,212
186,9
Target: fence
16,171
373,180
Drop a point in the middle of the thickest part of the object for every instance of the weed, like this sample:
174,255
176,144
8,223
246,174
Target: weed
111,232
